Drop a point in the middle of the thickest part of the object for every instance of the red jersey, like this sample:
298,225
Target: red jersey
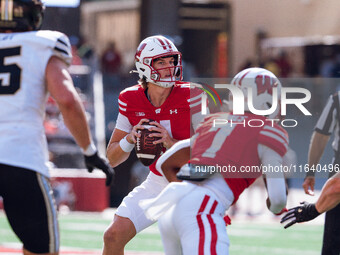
234,147
174,114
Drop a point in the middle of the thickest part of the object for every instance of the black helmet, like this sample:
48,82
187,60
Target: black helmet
21,15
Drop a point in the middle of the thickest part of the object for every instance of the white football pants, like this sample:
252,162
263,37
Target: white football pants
195,225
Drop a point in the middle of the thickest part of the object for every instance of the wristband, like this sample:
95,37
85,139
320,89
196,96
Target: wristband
125,145
312,212
90,150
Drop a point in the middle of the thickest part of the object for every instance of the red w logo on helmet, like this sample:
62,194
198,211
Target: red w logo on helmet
265,83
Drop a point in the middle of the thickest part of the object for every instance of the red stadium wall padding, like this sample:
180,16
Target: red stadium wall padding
79,189
87,190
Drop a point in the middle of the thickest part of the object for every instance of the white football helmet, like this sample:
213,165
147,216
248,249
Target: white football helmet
261,82
154,47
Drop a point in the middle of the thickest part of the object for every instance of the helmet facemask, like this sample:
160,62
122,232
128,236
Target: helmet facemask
175,72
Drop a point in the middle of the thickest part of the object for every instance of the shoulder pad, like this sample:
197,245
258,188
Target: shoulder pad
59,43
132,88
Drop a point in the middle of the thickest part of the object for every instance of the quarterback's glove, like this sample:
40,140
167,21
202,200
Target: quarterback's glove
302,213
95,161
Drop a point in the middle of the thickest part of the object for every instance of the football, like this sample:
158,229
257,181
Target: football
146,151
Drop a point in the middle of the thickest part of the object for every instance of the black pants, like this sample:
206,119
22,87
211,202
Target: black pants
30,208
331,234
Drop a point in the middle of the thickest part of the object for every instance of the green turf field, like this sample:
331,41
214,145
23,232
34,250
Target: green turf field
85,230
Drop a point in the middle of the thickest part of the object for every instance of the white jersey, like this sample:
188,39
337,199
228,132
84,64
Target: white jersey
23,93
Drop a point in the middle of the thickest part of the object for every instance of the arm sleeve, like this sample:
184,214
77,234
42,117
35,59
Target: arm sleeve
276,186
327,119
176,147
274,137
123,123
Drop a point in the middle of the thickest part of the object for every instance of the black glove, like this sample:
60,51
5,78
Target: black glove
95,161
305,212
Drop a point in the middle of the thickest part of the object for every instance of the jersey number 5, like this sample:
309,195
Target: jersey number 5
10,74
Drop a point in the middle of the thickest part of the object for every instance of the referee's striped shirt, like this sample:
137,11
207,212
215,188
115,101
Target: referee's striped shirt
328,122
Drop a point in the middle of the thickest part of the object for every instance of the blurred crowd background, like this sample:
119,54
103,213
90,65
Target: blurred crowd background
298,40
